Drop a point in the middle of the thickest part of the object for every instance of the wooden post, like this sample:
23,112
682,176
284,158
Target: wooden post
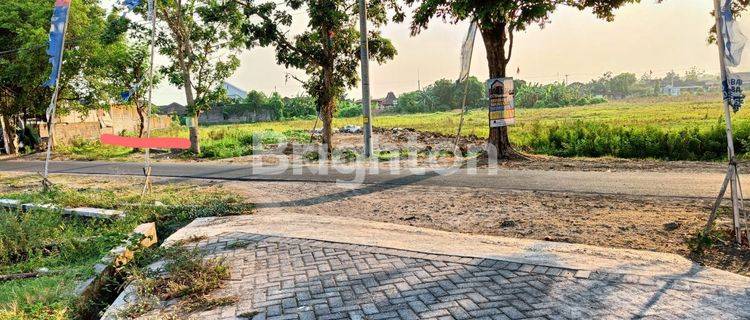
732,173
147,156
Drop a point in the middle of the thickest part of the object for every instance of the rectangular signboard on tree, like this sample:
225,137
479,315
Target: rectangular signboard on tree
502,111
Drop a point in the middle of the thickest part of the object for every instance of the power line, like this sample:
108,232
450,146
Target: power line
19,49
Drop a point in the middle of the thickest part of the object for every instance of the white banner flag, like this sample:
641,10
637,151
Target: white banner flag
466,51
734,44
734,39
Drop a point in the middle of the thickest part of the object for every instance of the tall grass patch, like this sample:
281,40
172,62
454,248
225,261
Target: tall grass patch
679,128
67,248
591,139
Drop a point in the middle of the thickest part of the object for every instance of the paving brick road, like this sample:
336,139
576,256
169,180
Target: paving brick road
290,278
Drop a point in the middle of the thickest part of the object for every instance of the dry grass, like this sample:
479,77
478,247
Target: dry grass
187,275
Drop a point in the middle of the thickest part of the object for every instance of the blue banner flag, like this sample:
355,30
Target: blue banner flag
56,35
127,94
131,4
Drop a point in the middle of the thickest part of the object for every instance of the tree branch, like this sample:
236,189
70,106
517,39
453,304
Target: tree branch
510,44
281,39
289,75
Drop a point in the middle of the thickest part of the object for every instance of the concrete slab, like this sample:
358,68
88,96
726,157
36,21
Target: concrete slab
10,203
37,206
95,213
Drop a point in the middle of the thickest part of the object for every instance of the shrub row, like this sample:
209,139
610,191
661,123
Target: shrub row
591,139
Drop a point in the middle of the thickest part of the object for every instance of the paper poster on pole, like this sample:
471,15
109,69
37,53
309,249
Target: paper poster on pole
502,111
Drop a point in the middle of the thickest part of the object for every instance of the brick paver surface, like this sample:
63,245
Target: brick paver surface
287,278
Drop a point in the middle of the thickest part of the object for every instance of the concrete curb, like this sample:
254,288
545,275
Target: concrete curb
85,212
119,256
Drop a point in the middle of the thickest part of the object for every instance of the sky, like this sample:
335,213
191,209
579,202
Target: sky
575,44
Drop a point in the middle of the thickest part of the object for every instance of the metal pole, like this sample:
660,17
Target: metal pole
365,60
53,102
728,118
147,164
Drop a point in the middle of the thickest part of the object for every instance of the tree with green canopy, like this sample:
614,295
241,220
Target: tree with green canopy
128,71
498,22
202,40
328,51
24,32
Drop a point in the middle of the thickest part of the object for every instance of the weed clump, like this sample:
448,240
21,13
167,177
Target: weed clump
187,274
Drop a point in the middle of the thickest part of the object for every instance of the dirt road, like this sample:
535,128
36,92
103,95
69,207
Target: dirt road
631,183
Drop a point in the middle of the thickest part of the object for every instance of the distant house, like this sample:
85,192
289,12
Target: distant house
674,91
172,108
386,103
235,111
234,92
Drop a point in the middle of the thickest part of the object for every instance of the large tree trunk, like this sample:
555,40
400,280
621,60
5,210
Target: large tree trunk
327,115
194,141
8,134
194,138
327,99
141,121
327,102
495,38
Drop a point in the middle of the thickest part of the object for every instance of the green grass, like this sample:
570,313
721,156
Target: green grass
93,150
619,128
69,246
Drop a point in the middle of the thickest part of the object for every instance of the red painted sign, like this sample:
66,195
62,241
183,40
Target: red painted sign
153,143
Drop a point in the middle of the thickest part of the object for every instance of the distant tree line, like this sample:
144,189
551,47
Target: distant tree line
284,108
626,85
445,95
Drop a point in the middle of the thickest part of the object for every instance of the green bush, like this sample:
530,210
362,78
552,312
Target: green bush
226,148
590,139
301,107
85,149
555,95
348,109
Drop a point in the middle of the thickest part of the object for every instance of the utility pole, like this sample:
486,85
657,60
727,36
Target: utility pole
419,82
365,60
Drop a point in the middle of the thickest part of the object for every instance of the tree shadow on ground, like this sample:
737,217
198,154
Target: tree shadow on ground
364,190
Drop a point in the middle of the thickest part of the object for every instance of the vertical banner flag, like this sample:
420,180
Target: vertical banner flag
502,106
56,34
734,44
125,95
466,51
130,6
